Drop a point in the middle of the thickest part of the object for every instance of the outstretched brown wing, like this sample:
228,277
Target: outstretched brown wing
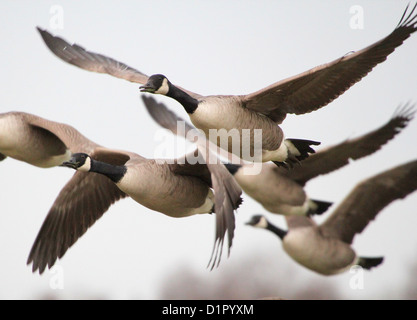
83,200
95,62
91,61
319,86
367,199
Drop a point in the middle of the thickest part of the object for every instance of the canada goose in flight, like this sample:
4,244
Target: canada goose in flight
326,248
39,142
263,109
281,191
176,188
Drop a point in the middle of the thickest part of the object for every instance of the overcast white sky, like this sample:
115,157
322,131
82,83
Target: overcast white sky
209,47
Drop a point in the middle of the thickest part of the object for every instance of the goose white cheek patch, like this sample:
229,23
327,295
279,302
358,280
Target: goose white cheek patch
86,166
262,223
164,88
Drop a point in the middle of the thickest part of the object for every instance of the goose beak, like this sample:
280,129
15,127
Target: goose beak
147,88
71,163
255,220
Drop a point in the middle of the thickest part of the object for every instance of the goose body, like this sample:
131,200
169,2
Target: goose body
325,256
39,142
264,109
226,114
173,194
224,117
326,248
305,244
276,193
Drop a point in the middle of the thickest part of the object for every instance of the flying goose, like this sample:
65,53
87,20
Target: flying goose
281,191
175,187
39,142
263,109
326,248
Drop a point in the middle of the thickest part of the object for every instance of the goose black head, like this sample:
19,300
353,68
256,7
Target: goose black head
79,161
258,221
156,83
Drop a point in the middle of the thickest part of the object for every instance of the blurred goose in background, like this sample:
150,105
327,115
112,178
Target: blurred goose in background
263,109
326,248
173,187
282,191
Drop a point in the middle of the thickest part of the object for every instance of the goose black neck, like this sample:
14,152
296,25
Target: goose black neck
115,173
279,232
189,103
